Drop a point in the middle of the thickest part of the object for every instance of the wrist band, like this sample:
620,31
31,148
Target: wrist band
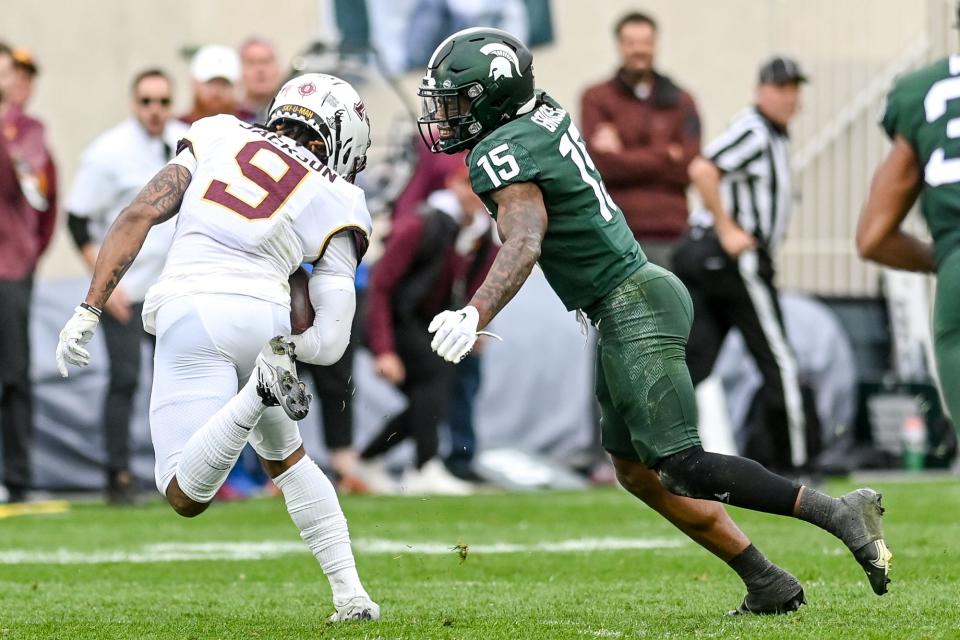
91,309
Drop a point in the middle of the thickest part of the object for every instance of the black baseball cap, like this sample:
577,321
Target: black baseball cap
781,70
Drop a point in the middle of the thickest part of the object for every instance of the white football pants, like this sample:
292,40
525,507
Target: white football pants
207,346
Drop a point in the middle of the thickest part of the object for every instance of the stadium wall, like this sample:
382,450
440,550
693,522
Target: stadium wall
88,52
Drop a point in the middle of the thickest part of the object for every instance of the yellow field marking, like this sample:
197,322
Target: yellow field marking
33,508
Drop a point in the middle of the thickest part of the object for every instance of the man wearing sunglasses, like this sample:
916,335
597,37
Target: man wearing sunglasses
112,171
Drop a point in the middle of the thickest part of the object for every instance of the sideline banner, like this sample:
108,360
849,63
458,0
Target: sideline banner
536,394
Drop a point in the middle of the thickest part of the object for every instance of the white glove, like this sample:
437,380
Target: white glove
74,337
456,331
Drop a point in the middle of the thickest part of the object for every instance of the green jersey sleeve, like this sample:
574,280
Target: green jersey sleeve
889,116
495,164
903,110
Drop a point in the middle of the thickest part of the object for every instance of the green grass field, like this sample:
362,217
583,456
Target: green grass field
238,572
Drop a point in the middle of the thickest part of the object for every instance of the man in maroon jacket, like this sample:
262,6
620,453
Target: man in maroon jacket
642,131
27,217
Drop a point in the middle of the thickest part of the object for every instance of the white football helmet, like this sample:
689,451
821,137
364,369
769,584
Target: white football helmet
332,108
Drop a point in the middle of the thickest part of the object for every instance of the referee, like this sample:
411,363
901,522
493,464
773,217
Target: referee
743,179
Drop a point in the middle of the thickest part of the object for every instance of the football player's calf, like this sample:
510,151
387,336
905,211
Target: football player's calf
210,453
855,518
770,589
313,506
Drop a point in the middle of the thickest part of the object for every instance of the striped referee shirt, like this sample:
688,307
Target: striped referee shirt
753,154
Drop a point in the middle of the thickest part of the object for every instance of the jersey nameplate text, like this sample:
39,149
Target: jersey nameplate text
548,117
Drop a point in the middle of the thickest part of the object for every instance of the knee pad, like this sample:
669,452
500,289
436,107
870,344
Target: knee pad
678,472
695,473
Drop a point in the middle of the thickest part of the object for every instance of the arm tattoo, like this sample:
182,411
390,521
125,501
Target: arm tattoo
157,202
164,192
522,220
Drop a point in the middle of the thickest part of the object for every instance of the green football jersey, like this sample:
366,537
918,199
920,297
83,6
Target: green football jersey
924,108
588,248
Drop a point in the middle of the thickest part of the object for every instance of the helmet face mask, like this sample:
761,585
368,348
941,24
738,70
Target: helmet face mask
477,80
332,112
446,122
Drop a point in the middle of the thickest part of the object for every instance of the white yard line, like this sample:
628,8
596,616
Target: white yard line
187,552
560,546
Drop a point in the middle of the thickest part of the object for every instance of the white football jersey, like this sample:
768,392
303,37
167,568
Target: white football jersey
257,207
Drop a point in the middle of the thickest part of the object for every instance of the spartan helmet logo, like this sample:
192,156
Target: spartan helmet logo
504,60
500,68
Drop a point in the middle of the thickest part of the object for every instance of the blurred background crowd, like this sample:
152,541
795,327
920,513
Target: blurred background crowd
93,103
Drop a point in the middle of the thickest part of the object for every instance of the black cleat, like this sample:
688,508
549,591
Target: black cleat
784,596
862,531
875,559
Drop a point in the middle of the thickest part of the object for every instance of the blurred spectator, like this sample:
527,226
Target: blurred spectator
261,79
28,208
430,259
113,169
727,262
431,21
429,175
24,72
477,243
334,388
215,70
642,130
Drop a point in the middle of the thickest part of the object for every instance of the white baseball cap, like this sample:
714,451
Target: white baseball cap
215,61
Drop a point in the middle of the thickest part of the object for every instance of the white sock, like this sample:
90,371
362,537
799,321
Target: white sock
212,451
314,508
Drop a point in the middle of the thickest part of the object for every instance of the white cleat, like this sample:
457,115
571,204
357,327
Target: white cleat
357,608
433,479
277,382
376,476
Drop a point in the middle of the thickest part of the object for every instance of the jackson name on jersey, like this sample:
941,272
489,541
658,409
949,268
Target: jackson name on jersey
257,207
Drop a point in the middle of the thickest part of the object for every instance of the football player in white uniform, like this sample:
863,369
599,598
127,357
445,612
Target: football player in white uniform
254,203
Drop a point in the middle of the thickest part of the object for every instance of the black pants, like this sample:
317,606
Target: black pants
16,392
463,437
124,341
427,388
740,293
334,388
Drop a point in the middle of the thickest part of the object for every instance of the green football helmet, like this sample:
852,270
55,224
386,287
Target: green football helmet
476,81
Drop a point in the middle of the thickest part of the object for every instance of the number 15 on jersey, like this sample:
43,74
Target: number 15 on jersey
501,166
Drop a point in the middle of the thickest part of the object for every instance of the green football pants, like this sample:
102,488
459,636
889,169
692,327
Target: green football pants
647,400
946,332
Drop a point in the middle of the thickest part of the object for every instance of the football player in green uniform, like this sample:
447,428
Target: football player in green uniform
529,165
922,119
